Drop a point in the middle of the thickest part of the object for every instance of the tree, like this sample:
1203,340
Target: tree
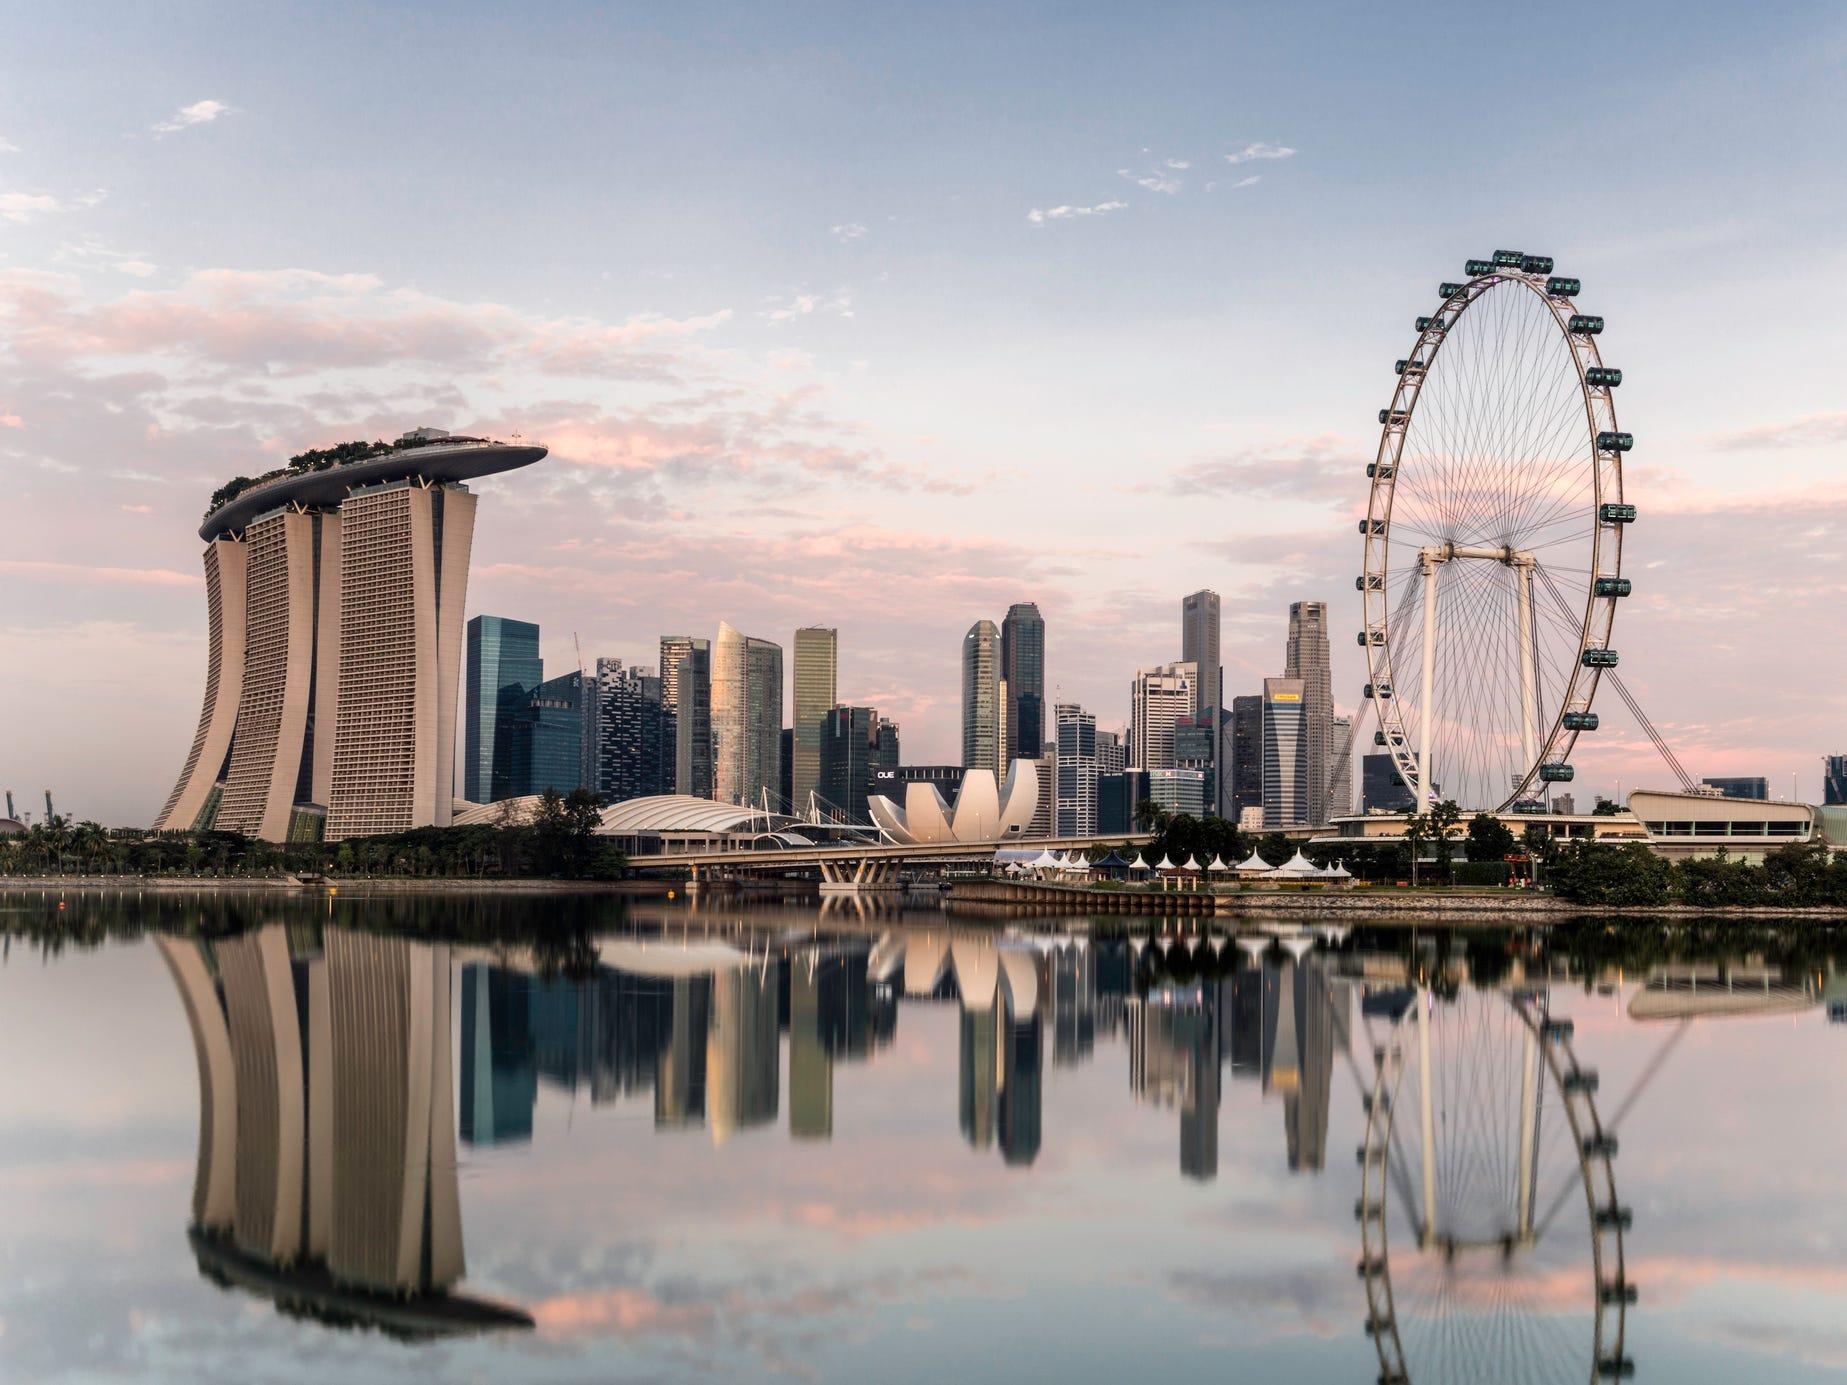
1488,840
1416,833
1606,808
1445,820
1152,817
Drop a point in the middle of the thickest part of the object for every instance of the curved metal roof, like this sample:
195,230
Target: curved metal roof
436,461
678,812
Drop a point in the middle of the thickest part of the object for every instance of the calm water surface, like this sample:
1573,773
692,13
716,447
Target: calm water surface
499,1140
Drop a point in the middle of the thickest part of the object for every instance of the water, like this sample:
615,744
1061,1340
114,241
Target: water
500,1140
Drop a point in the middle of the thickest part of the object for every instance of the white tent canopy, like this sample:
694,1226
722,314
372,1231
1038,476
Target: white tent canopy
1217,866
1255,866
1298,867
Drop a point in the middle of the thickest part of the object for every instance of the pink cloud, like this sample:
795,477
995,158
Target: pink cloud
107,576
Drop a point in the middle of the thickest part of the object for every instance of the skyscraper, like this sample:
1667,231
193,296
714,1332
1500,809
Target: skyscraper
746,717
1285,753
686,699
335,591
1022,665
889,753
1740,786
631,748
503,669
1308,660
849,741
1112,756
1340,767
982,745
1074,809
1160,699
1383,789
1246,754
1834,779
553,727
817,667
1199,646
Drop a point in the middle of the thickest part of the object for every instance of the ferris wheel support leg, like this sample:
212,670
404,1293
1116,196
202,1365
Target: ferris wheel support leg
1524,575
1528,1113
1427,1119
1426,750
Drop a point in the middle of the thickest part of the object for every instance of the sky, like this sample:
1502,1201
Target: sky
885,318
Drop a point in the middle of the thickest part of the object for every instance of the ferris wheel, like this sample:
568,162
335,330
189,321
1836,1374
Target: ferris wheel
1490,1231
1493,538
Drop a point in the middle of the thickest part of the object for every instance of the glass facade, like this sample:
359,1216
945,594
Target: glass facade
503,670
981,711
1022,665
817,665
849,742
1285,753
1074,809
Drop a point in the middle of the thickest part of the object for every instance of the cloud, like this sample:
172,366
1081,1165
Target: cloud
1040,215
847,232
1260,150
24,206
1178,163
103,576
1246,182
7,146
1154,182
8,420
837,304
1318,468
198,113
1811,430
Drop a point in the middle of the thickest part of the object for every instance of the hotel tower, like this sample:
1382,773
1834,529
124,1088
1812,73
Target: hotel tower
335,594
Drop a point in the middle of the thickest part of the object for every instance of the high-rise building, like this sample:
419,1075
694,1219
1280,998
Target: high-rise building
1382,787
1112,755
503,669
1195,740
335,592
1285,754
1159,700
631,751
982,743
1044,818
1245,756
1022,665
888,755
1308,661
746,717
849,741
554,728
817,671
1118,796
1340,768
1740,786
1199,646
1074,809
1179,790
686,700
1834,779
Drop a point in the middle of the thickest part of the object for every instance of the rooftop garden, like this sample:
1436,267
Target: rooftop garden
327,458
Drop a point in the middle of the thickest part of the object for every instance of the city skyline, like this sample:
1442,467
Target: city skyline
1013,354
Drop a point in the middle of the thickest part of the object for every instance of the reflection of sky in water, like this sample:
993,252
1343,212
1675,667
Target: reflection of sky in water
931,1190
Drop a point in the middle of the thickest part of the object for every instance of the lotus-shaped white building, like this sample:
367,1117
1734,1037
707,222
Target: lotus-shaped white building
982,812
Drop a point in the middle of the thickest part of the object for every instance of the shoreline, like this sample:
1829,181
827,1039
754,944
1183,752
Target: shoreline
344,885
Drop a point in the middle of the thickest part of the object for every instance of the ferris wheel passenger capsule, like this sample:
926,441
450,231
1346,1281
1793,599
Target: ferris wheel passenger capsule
1476,268
1585,324
1614,586
1599,658
1603,377
1425,324
1556,774
1449,289
1615,442
1375,638
1393,415
1537,264
1580,721
1564,288
1616,514
1372,526
1369,582
1380,471
1509,259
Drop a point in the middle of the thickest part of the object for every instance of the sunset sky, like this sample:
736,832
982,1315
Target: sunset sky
886,317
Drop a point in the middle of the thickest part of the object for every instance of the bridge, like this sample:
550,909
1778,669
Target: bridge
859,863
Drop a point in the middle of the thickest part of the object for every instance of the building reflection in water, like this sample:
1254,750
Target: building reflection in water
328,1123
326,1177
